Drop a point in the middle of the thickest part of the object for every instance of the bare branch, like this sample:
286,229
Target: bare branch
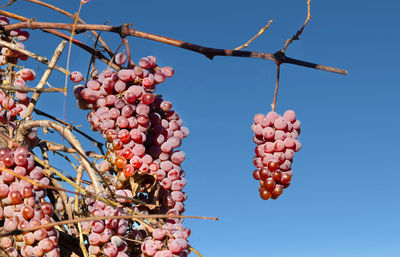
96,143
95,218
102,42
67,134
298,33
76,209
10,2
78,43
37,57
257,35
31,89
45,77
207,51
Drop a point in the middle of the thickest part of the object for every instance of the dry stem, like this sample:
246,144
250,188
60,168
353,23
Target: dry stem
67,134
278,68
30,89
257,35
78,43
102,42
298,33
96,218
96,143
30,54
10,2
43,80
76,209
207,51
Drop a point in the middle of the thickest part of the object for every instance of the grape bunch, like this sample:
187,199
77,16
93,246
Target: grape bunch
23,206
276,139
13,104
105,236
143,134
7,55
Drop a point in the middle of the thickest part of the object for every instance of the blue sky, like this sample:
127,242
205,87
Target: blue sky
343,200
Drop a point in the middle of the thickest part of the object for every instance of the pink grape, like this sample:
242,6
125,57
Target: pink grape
290,116
27,74
120,59
76,76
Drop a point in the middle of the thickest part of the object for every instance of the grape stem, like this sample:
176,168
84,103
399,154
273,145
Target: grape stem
207,51
278,69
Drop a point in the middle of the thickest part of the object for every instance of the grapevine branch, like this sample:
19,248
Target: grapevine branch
67,134
298,33
207,51
88,49
30,89
76,209
37,57
95,218
94,141
55,8
10,2
257,35
45,77
281,55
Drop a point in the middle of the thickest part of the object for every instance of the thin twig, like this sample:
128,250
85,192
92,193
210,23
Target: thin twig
67,134
63,148
78,43
207,51
94,141
298,33
96,218
31,89
63,195
10,2
30,54
43,80
102,42
257,35
76,209
196,252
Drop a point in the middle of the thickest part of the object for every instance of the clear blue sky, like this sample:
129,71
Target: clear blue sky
344,197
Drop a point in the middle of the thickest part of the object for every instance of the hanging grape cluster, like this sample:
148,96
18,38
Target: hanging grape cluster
23,206
143,135
13,104
276,139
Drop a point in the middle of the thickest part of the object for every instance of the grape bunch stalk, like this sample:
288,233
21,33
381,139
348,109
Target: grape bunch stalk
276,139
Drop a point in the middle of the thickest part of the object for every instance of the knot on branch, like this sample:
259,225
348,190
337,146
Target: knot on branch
123,30
279,57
